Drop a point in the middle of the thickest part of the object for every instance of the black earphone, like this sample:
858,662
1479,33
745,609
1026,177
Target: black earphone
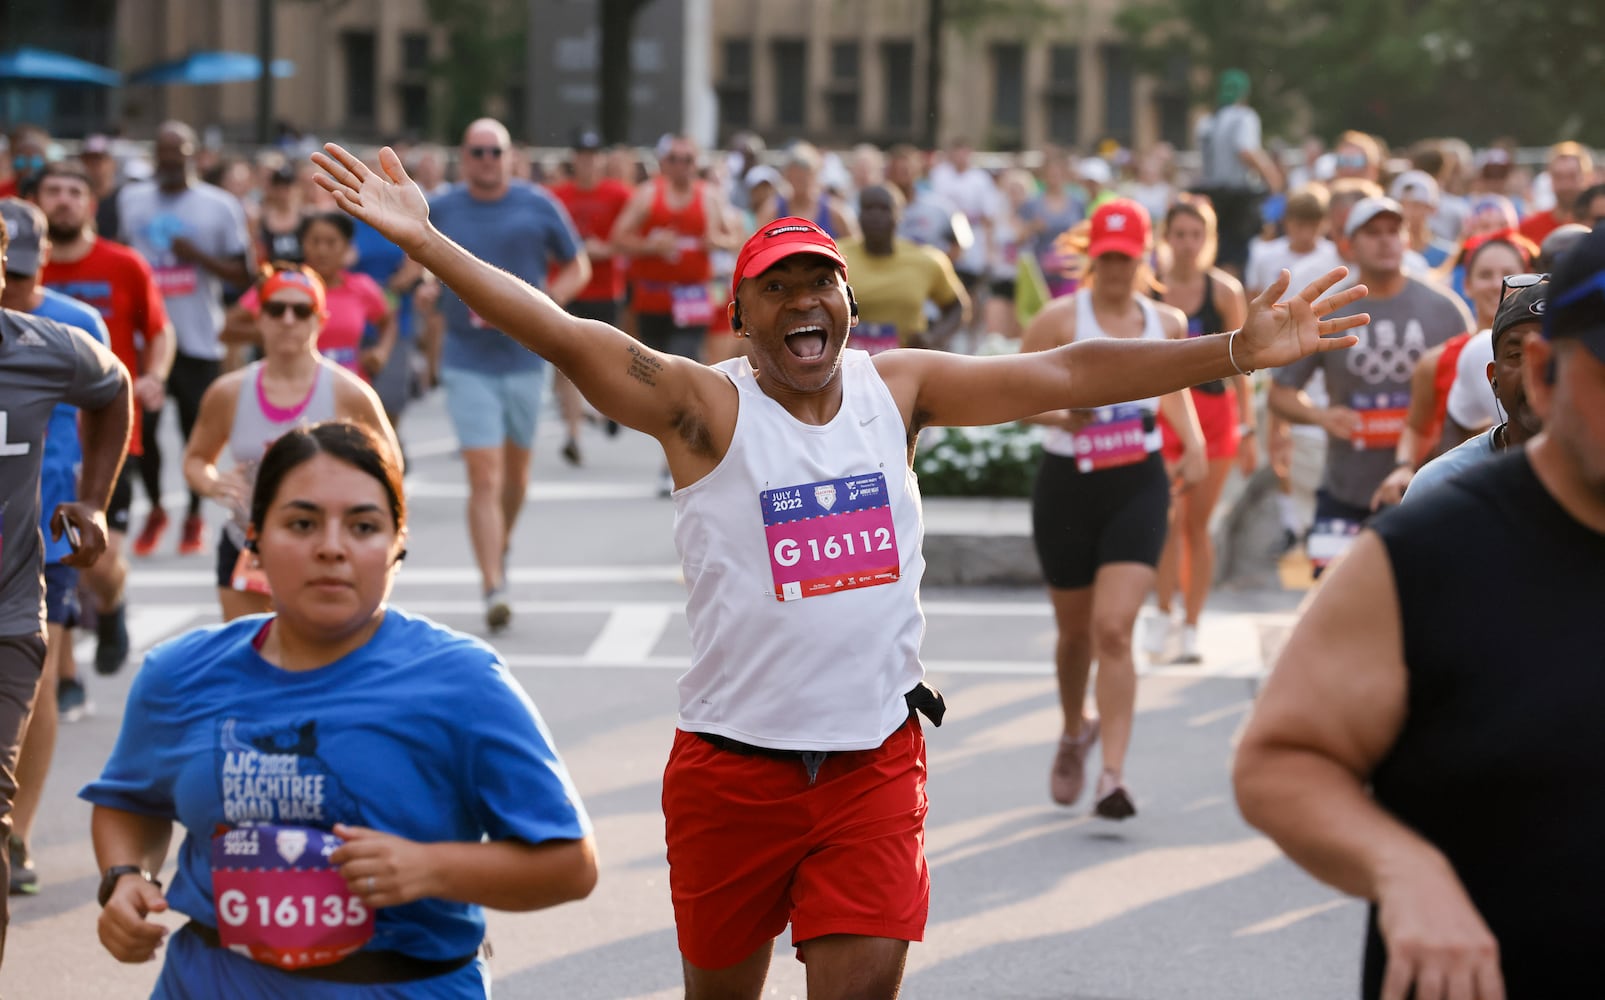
852,303
735,316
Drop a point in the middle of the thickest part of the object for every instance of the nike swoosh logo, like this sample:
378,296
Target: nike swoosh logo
869,420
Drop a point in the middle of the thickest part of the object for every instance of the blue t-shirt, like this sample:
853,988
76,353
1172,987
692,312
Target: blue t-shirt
58,471
422,733
379,258
522,233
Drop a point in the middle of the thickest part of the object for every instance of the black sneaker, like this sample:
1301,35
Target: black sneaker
571,453
111,649
72,701
24,880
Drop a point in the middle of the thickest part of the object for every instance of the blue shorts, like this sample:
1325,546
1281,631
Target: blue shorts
488,411
61,595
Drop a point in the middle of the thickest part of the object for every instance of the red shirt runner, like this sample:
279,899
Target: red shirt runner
594,210
655,277
117,282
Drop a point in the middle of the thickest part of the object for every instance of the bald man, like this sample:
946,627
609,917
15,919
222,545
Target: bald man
493,385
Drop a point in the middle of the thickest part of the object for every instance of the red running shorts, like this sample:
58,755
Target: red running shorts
753,846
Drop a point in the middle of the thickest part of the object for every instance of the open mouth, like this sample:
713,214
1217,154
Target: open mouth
806,343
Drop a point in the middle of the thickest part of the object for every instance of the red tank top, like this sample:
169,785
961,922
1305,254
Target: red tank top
1443,379
654,277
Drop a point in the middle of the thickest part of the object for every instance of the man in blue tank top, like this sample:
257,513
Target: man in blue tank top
798,525
1429,738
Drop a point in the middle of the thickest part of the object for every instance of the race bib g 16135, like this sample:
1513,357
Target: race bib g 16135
830,536
279,900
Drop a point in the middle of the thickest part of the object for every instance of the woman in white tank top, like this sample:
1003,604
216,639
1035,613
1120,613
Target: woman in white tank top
248,409
1101,504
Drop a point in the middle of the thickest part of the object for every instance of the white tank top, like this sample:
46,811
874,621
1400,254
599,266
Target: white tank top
1059,441
802,551
257,424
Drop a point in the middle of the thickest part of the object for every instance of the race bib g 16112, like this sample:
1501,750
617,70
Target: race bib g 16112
280,902
1117,436
830,536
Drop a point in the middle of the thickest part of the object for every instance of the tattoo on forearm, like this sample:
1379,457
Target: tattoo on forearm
643,367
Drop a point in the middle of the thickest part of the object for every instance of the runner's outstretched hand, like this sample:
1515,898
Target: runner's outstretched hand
388,201
1279,333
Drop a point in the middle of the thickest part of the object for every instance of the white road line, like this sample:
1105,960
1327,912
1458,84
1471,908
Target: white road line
143,579
1292,917
631,633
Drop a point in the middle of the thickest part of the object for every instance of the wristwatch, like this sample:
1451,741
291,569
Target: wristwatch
114,874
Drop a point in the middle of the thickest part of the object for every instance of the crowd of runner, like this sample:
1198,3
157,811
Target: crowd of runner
266,294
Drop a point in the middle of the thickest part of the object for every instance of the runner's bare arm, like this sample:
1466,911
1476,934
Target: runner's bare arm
629,236
355,400
625,380
126,838
935,388
1331,709
210,434
571,279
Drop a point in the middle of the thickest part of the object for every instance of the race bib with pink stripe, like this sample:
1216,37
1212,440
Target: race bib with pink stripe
280,902
830,536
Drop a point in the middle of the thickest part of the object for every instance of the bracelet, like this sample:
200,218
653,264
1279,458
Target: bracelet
1230,340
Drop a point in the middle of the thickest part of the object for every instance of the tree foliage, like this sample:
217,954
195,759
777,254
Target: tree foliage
485,52
1404,69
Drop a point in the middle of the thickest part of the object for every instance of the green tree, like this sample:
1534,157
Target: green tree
484,52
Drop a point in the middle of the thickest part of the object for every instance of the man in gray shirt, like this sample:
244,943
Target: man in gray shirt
1369,384
195,238
43,363
1236,172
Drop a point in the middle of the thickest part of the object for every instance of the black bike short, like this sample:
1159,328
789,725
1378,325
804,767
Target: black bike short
1082,521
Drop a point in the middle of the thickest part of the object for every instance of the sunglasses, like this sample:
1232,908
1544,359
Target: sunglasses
480,152
1512,282
302,310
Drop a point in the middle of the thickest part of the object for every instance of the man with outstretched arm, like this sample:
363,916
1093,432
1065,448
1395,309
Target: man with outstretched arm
795,791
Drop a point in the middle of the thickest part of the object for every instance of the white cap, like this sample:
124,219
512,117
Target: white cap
1367,209
763,173
1094,169
1414,185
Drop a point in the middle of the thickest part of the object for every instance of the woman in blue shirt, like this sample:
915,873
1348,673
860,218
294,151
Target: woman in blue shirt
356,783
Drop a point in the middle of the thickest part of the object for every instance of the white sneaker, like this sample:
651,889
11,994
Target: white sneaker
1189,646
498,610
1158,631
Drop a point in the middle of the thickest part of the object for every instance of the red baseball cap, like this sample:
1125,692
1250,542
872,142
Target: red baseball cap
1119,226
781,239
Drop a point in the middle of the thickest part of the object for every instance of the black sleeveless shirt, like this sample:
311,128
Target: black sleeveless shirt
1205,319
1501,760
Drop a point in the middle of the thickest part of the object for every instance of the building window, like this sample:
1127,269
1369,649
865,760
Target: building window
898,60
1008,94
413,91
1064,95
735,87
415,52
791,83
1117,93
1172,100
362,73
844,85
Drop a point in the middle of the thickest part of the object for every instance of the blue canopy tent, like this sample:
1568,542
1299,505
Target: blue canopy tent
29,65
30,82
200,68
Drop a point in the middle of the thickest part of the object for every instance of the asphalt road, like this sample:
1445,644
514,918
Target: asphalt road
1029,900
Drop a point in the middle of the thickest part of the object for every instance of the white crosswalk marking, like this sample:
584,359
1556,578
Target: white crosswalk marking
631,633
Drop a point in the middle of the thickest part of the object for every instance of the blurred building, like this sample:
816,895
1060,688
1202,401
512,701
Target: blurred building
842,71
361,66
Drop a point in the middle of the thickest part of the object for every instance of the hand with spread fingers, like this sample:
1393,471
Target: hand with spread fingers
389,200
1279,333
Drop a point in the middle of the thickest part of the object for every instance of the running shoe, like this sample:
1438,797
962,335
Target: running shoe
1114,801
24,880
72,701
1069,774
1158,632
571,452
498,610
111,648
1189,646
150,535
194,540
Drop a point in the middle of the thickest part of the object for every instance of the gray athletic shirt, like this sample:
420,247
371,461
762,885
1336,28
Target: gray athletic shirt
42,363
207,216
1375,374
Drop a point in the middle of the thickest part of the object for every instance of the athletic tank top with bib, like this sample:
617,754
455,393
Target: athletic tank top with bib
1121,434
802,552
258,423
661,284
